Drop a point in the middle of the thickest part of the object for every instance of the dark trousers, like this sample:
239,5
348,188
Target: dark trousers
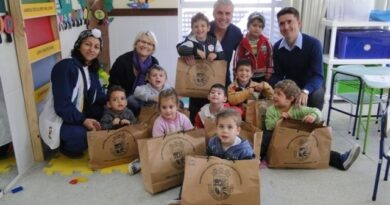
334,161
316,98
195,105
73,138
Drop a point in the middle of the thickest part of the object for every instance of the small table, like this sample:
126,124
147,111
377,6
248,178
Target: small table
370,77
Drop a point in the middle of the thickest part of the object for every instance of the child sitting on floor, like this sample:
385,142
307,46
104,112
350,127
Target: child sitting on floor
227,144
244,88
286,93
116,113
217,98
169,121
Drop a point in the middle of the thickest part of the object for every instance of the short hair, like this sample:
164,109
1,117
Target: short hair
223,2
158,68
199,17
148,34
219,86
114,88
243,62
253,16
168,93
289,88
229,113
288,10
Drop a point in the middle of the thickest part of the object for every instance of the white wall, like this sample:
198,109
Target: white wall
14,101
123,30
67,39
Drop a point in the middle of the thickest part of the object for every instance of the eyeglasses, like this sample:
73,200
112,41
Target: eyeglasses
145,42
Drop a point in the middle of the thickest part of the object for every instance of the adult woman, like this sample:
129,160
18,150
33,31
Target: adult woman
77,95
129,70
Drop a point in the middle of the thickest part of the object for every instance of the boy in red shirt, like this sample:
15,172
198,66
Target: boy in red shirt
257,48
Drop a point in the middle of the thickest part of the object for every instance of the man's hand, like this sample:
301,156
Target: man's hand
302,99
91,124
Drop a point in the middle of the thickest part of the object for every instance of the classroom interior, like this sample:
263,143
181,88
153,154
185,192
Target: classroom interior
44,32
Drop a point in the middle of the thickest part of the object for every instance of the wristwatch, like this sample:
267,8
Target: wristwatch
305,91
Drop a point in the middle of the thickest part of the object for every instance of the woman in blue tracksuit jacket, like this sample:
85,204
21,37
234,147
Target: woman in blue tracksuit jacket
77,93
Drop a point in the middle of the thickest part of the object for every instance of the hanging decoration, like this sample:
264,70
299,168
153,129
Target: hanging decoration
8,27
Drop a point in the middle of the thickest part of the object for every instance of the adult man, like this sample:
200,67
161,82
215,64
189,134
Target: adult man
298,57
228,34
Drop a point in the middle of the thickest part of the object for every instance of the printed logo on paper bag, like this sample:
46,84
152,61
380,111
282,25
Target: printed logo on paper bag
175,150
117,143
301,147
199,75
220,180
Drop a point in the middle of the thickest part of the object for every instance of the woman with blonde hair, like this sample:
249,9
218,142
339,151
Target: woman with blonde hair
129,70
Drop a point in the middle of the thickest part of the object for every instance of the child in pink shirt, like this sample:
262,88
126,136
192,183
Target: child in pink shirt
170,119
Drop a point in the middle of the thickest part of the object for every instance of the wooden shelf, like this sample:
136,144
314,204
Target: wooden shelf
44,51
36,10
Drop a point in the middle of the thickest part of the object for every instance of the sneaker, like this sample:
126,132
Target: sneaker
349,157
134,167
174,202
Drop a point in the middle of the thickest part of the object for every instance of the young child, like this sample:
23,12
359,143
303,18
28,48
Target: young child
116,113
217,98
257,48
243,88
201,45
148,93
286,93
170,119
227,144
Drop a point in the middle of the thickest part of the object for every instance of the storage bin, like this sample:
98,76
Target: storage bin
363,44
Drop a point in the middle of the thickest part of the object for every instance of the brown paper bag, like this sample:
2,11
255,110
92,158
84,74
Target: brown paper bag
217,181
255,112
196,81
249,132
295,144
162,159
113,147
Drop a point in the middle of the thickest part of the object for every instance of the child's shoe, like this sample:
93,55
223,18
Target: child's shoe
263,164
134,167
348,158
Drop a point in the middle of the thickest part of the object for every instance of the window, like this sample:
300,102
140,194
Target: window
242,9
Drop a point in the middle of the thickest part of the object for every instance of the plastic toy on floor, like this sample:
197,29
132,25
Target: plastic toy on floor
6,164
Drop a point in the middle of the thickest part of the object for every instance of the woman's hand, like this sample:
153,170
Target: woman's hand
309,119
211,57
91,124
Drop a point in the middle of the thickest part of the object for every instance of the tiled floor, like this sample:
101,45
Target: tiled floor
278,187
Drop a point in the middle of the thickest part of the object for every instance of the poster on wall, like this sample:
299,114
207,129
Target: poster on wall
145,4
